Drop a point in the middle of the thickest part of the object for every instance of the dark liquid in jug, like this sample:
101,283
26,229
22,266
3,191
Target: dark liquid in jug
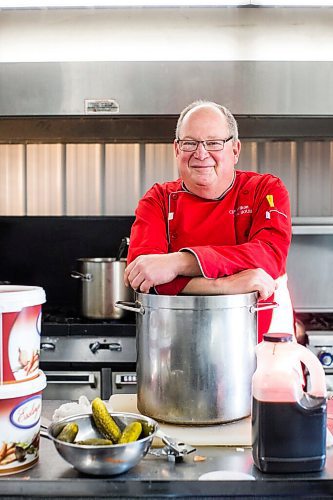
289,437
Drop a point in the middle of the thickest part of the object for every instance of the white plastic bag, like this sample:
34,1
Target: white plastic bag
83,405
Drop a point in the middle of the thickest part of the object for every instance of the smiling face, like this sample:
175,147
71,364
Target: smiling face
206,173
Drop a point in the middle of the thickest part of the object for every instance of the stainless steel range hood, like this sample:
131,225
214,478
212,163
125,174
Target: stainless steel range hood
164,88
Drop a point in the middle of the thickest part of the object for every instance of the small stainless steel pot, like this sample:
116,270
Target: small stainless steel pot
195,356
102,284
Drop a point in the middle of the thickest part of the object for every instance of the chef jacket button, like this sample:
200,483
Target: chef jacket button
245,191
174,196
174,236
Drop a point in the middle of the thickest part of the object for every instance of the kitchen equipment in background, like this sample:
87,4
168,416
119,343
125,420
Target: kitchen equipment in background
195,356
123,246
71,384
93,383
288,424
88,357
20,329
102,284
20,411
318,327
101,349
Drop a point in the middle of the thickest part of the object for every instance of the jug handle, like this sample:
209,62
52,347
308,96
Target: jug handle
316,371
264,306
136,307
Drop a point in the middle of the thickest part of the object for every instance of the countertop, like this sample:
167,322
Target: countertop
156,477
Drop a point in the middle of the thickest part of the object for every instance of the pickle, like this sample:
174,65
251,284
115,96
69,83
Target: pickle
68,433
147,429
104,422
131,433
95,442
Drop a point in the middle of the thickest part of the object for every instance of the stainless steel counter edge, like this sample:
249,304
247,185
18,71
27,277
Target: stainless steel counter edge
102,487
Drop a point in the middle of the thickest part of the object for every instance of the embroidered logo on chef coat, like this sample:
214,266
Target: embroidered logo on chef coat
270,200
242,209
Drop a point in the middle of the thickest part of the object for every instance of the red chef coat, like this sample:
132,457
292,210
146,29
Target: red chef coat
248,227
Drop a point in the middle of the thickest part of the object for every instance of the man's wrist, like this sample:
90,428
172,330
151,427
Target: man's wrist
187,264
219,285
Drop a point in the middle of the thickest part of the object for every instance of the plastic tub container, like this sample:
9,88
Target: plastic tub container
20,324
20,411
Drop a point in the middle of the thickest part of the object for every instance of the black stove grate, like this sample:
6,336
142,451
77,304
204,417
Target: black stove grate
65,321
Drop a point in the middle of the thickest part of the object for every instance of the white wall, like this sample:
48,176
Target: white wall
225,33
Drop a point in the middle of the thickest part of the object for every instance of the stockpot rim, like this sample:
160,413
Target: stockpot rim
196,302
101,260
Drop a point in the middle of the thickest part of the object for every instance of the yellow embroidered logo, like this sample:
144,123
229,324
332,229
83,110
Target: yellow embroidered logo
270,200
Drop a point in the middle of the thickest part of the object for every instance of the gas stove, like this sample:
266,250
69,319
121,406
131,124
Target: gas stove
70,338
91,357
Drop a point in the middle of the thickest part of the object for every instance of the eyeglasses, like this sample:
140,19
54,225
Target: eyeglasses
189,145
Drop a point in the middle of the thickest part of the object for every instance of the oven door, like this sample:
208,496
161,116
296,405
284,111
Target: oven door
124,383
70,385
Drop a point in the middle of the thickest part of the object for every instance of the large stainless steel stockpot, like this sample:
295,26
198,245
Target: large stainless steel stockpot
102,284
196,356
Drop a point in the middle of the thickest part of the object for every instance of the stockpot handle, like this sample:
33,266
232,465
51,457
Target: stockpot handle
136,306
84,277
264,306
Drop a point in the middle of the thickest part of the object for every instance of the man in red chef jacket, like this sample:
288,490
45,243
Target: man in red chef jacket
215,230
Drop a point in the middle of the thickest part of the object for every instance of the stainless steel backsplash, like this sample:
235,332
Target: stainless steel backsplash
109,179
80,179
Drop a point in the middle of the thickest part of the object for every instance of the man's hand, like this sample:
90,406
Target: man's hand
250,280
147,271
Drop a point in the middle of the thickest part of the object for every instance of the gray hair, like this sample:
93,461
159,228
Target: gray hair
232,124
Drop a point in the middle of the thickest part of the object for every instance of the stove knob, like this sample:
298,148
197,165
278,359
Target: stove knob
94,347
325,358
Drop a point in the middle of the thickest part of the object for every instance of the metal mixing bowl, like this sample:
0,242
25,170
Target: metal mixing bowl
103,460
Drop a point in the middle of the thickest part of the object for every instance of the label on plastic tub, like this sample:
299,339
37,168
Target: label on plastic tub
20,411
20,331
20,344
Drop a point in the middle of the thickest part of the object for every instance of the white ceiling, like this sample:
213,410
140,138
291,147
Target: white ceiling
167,34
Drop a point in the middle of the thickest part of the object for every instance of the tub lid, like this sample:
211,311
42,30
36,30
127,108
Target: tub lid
19,389
16,297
